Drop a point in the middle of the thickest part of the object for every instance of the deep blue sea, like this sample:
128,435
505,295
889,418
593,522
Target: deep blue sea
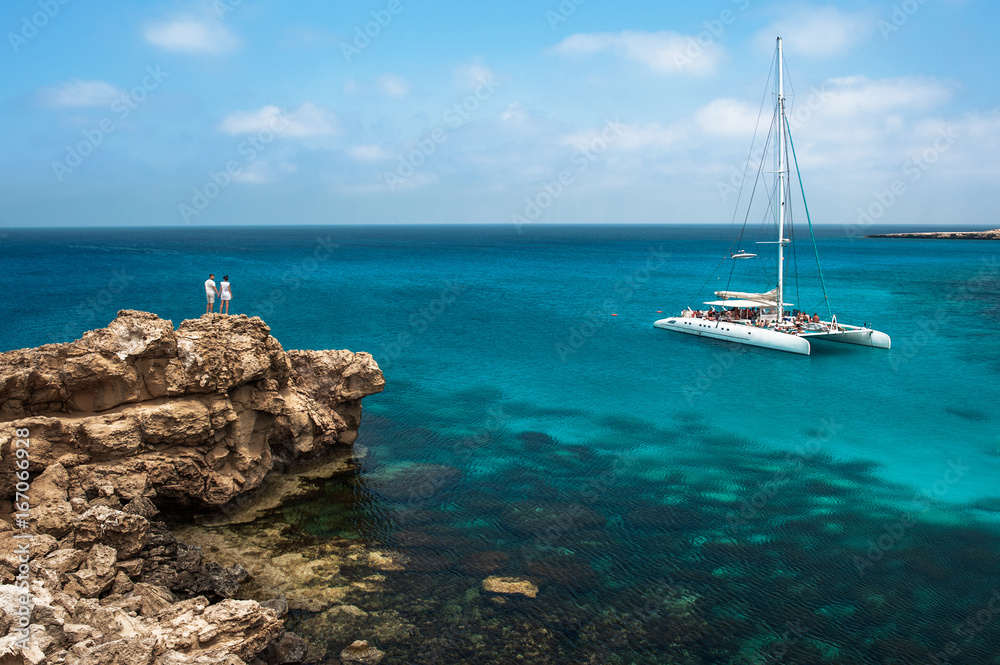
677,500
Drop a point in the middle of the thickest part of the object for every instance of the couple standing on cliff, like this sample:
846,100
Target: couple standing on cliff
225,295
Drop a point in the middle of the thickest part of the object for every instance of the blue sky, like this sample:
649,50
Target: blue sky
214,112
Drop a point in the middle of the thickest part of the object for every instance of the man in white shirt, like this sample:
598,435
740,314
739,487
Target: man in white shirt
210,292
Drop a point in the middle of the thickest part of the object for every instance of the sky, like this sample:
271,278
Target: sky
237,112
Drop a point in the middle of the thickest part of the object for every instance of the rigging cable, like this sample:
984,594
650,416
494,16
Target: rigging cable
826,297
753,142
746,218
791,230
795,256
739,196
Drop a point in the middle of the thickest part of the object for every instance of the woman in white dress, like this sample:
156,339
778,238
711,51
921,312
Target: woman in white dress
226,294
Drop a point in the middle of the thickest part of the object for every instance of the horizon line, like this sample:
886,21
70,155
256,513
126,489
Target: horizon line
950,226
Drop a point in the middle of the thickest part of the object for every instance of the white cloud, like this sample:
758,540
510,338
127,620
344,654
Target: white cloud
858,95
394,86
305,121
367,153
663,52
727,117
81,93
874,125
982,127
976,139
247,122
192,35
820,31
473,75
514,111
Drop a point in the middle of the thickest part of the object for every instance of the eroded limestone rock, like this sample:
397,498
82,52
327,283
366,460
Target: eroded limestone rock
135,417
186,417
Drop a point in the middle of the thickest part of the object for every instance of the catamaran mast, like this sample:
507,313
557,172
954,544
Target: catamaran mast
781,187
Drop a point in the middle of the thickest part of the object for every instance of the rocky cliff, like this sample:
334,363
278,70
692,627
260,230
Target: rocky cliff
134,418
194,416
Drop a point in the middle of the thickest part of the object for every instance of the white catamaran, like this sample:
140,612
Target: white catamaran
760,319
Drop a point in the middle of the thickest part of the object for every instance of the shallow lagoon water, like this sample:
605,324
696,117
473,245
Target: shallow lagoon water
675,499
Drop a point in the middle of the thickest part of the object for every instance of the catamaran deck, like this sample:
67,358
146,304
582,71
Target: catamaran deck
788,335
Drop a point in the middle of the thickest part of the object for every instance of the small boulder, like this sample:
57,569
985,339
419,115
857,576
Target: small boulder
154,598
510,585
142,507
361,652
51,510
123,531
96,575
64,560
122,584
279,605
289,648
223,582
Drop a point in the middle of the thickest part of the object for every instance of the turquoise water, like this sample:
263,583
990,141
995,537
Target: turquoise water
675,499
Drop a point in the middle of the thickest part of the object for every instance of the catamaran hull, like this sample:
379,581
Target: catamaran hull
737,333
863,337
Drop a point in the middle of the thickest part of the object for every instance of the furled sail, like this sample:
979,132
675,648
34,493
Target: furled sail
769,297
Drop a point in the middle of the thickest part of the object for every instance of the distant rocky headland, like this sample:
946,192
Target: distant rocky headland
100,435
943,235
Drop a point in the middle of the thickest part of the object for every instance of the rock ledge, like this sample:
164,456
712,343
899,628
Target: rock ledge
132,419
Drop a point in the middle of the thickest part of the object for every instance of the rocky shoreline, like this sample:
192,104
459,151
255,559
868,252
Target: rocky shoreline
138,418
943,235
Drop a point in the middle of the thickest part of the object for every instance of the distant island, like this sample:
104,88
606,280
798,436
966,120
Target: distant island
944,235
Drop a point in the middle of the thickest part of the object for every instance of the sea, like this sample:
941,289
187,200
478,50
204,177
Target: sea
673,499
